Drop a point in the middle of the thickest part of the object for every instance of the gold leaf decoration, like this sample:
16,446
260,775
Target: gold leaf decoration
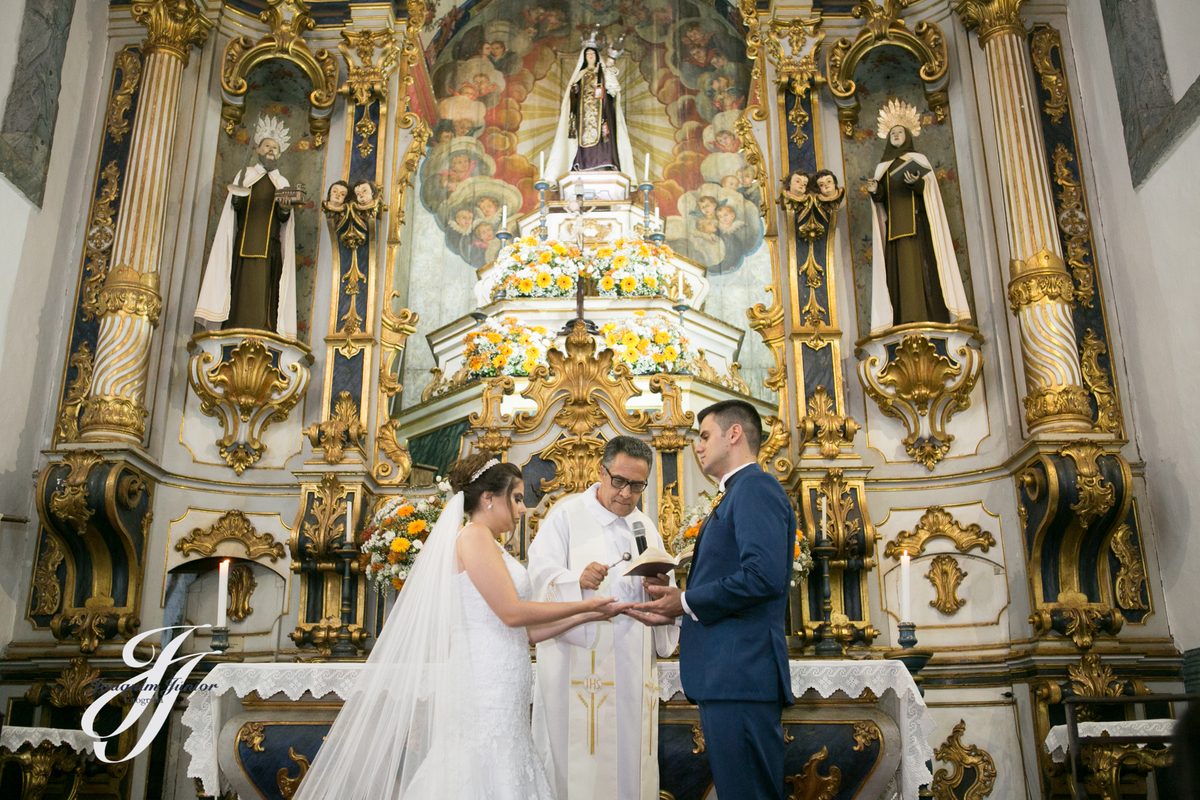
1132,575
232,526
946,577
938,522
241,586
962,758
810,785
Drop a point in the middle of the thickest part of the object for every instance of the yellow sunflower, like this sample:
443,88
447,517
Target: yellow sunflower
494,337
544,280
416,526
661,337
545,256
650,281
563,282
620,262
628,284
402,545
670,353
604,252
525,285
607,283
498,362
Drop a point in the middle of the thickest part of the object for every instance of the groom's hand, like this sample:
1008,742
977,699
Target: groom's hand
663,609
593,575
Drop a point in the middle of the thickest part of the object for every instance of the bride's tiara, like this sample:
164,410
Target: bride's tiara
491,463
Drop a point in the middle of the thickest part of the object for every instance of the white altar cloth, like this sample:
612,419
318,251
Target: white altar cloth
1057,744
889,680
14,736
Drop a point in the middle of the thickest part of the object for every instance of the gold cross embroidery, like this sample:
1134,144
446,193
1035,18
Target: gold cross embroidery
592,685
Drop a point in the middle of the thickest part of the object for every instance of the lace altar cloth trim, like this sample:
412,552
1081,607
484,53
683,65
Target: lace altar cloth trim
891,683
14,736
1057,745
204,712
889,680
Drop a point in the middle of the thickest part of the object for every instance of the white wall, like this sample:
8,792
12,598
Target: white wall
1149,240
39,265
1180,24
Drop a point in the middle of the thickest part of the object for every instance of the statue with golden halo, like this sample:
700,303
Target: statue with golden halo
914,272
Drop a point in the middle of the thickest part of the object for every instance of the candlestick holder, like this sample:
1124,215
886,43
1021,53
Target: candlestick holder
827,644
348,553
504,236
645,188
658,237
220,643
543,212
914,660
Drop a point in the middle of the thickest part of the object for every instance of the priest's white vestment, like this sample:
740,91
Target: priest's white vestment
595,712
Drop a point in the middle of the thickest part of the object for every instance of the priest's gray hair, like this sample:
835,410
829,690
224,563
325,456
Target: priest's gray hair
634,448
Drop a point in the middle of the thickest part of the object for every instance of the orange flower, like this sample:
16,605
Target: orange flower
692,532
620,262
392,558
545,256
417,526
563,282
607,283
405,510
397,583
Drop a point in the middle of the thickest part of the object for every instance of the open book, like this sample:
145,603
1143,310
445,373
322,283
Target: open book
657,562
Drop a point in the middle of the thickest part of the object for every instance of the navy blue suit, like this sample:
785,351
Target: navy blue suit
734,662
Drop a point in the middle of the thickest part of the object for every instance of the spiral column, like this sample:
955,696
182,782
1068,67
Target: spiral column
129,303
1055,399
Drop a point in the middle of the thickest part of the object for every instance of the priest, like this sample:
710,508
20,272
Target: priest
250,279
595,714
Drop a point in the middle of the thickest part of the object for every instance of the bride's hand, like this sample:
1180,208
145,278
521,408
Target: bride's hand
599,603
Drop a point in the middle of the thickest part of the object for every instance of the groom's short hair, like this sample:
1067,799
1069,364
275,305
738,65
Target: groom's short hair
634,448
736,412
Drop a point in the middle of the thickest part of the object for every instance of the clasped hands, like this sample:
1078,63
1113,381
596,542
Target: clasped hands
662,610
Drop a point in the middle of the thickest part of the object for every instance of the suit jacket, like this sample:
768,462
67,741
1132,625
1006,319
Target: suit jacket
738,588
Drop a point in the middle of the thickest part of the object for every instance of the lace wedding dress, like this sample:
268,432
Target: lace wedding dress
441,709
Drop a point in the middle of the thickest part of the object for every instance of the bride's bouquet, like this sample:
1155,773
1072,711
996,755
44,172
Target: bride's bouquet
395,535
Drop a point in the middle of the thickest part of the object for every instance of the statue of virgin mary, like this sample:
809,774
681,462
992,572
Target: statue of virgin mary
591,132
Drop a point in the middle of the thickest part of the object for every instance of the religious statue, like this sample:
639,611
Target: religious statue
351,210
250,279
591,133
914,273
795,185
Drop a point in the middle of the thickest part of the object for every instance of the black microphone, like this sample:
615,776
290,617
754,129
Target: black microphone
639,536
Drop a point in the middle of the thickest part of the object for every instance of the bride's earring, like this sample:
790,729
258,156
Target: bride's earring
489,506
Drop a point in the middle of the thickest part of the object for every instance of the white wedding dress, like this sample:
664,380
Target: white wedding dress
441,709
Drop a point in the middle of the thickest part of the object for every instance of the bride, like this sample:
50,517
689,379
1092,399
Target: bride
441,707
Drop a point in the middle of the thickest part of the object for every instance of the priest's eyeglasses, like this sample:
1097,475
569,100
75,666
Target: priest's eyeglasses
619,483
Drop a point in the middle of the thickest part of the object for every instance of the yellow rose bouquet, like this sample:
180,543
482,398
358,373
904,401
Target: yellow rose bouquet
648,344
531,268
396,534
505,347
631,268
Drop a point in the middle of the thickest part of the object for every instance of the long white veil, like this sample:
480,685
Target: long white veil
403,732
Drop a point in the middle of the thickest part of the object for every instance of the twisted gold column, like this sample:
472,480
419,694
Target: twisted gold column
129,303
1055,398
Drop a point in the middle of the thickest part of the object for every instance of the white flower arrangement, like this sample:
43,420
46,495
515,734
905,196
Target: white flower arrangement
648,344
802,559
531,268
396,535
505,347
631,268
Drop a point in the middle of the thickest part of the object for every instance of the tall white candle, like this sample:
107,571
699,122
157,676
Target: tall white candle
349,517
222,593
646,179
822,532
542,171
905,597
504,219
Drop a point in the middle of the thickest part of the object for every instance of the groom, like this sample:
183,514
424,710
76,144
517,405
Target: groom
732,650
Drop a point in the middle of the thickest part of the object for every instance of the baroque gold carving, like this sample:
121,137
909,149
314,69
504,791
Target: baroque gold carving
341,430
697,739
991,18
1081,619
329,508
172,26
387,442
37,764
1105,762
576,462
69,503
247,393
1132,575
1093,678
115,414
1096,497
232,526
241,586
810,785
924,390
1108,407
253,734
67,428
130,66
288,20
1041,278
884,27
946,577
670,513
1054,401
98,242
935,522
825,426
128,292
367,73
1044,40
768,321
45,576
754,157
962,758
1074,223
582,379
865,732
778,439
287,785
75,687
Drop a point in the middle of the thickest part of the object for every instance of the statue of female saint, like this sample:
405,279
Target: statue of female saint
914,273
591,133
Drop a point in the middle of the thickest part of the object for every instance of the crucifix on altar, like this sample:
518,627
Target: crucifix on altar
579,224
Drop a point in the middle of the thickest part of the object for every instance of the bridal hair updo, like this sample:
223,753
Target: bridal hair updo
499,479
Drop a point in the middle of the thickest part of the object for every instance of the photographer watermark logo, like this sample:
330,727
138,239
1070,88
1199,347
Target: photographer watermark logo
153,691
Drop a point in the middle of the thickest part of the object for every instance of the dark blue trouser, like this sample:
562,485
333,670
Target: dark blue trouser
744,743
